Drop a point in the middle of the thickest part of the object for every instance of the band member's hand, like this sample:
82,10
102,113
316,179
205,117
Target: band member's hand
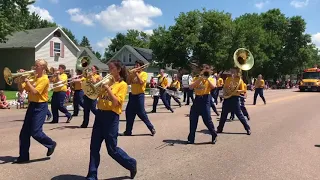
136,73
106,86
21,70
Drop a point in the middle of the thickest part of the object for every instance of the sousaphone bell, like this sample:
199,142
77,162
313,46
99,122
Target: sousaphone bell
243,59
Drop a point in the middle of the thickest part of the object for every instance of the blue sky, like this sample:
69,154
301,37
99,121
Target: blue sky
100,20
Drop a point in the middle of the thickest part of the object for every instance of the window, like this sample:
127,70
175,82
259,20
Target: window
57,47
124,59
130,58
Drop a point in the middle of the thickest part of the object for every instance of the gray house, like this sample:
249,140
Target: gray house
128,55
103,68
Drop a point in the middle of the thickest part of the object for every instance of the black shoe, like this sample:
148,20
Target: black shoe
171,110
69,119
249,132
180,104
153,132
53,122
219,131
133,173
74,115
190,142
20,161
214,139
153,111
49,118
248,117
125,134
51,150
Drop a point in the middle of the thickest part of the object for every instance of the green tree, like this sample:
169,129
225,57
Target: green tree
85,42
70,35
98,55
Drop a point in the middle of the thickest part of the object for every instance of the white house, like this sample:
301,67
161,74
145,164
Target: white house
24,47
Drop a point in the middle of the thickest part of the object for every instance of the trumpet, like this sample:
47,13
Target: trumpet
134,70
11,77
92,91
62,83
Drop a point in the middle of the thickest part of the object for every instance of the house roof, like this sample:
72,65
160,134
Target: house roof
84,51
143,54
32,38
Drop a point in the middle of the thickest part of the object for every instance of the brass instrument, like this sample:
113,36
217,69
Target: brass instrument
62,83
92,91
131,71
243,59
83,63
12,77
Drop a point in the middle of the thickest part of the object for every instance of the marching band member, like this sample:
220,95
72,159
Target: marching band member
106,124
78,93
219,88
232,88
162,85
135,106
59,95
36,113
187,92
259,86
89,104
201,105
174,86
212,94
243,97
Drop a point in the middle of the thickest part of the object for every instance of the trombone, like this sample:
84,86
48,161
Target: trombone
62,83
92,91
12,77
131,71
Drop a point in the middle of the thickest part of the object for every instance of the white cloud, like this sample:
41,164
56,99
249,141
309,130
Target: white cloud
54,1
131,14
76,15
299,4
261,4
43,13
102,44
149,31
316,39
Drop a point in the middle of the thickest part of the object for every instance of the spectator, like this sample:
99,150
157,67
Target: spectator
3,101
21,97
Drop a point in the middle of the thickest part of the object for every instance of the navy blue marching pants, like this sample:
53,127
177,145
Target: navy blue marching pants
49,113
174,98
189,95
212,103
32,127
200,107
88,105
105,127
229,105
57,104
135,107
242,107
258,91
163,96
77,100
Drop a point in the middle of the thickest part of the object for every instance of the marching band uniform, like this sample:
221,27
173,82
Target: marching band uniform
89,104
259,85
212,94
187,92
34,119
162,82
232,90
105,127
58,98
219,88
49,115
136,104
175,86
77,96
201,107
242,104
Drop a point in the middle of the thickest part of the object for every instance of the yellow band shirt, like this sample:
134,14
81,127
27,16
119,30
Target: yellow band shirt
220,82
232,85
42,86
259,83
77,85
119,89
203,88
63,77
175,84
136,87
162,81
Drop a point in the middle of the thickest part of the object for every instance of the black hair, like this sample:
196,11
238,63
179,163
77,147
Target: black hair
62,66
141,63
96,67
122,68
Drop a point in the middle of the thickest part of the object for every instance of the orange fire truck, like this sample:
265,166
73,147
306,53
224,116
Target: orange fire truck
310,80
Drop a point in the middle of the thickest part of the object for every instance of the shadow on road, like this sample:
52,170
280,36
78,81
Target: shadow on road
205,131
68,127
10,159
17,120
317,145
68,177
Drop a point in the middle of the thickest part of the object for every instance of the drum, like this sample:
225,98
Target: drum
170,92
154,91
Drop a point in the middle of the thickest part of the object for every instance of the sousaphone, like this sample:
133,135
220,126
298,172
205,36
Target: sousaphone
243,59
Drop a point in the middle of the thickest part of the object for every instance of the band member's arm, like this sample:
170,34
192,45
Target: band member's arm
63,77
195,83
40,87
178,86
165,83
241,88
262,83
211,83
143,78
119,98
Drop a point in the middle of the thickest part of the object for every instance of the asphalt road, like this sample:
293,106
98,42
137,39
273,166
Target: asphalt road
282,145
